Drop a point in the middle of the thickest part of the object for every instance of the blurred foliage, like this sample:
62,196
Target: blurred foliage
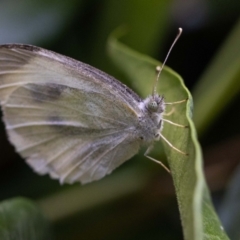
230,210
137,201
22,219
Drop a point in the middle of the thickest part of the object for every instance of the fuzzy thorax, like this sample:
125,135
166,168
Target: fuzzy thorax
151,124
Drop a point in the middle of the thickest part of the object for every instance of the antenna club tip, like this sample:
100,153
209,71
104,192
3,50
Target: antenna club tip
158,68
180,30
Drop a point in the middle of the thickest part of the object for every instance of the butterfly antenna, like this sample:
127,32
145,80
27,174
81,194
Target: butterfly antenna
160,68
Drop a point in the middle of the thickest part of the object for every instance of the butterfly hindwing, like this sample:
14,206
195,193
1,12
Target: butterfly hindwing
55,115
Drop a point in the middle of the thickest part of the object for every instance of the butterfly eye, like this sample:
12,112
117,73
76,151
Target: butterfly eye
153,105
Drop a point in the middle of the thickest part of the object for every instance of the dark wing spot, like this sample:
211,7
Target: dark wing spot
45,92
55,119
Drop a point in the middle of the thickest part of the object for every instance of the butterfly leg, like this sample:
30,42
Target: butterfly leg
170,112
175,124
154,160
170,144
177,102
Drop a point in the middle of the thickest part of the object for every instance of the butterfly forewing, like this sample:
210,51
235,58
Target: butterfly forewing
55,114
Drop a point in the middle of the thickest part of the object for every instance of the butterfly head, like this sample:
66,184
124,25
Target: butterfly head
155,104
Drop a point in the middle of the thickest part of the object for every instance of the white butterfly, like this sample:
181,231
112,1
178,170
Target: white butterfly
69,119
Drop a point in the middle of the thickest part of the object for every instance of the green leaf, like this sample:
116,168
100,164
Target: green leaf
230,209
219,84
198,216
20,219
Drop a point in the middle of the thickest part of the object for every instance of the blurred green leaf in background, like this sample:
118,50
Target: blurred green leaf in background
138,200
22,219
